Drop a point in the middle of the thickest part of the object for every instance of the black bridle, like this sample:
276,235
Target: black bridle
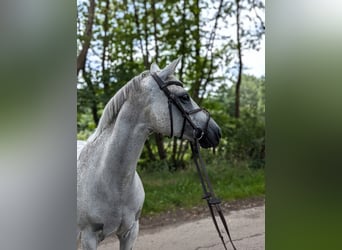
173,99
209,195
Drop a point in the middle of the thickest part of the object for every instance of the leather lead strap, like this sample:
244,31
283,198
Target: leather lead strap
212,201
216,225
206,194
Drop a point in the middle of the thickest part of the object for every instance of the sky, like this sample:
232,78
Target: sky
255,60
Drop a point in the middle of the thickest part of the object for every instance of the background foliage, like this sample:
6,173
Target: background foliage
119,39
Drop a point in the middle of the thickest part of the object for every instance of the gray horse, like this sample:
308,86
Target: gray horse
110,194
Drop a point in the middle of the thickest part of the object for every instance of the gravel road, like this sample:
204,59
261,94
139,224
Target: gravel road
247,228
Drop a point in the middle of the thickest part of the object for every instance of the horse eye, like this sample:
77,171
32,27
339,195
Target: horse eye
185,98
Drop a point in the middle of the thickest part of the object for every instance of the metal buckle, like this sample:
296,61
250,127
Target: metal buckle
195,133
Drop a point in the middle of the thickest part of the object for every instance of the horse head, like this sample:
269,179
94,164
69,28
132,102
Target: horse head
173,112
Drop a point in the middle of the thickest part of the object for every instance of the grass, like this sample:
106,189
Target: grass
166,191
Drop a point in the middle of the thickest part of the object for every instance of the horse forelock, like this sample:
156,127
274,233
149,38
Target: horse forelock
114,105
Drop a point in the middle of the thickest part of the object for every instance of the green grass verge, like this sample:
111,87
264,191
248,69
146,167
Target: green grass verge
167,191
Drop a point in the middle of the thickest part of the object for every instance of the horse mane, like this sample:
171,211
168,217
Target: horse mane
114,105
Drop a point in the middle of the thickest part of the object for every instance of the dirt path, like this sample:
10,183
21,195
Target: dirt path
247,227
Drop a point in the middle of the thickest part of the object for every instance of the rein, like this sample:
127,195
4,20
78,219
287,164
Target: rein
209,195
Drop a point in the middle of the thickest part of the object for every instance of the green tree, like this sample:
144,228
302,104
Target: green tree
119,39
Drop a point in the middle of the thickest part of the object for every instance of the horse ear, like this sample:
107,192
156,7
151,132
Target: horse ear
170,69
154,68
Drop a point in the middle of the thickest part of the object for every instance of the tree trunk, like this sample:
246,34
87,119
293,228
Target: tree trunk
105,73
149,151
146,61
81,58
155,33
93,105
160,145
184,42
238,82
197,36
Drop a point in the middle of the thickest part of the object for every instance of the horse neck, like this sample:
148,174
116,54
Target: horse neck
123,143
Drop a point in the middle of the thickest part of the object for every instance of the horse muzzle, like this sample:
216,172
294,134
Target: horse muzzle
211,137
